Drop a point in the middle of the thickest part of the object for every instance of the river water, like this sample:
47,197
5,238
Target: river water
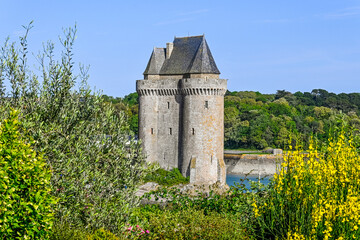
232,179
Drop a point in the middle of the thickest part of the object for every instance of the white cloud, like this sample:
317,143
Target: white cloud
346,12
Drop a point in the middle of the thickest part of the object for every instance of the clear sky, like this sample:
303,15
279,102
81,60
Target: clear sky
258,45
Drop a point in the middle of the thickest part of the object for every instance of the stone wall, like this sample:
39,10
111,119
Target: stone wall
148,125
159,129
255,164
203,124
181,124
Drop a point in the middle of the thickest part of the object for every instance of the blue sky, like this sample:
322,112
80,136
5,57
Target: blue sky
258,45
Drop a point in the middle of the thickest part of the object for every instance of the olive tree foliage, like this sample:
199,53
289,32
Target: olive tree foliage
94,161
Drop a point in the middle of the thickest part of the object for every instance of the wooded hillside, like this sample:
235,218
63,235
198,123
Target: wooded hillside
255,121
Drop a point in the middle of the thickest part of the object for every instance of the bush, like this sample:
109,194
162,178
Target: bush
95,161
233,207
189,224
167,178
66,232
63,231
237,199
25,192
102,234
134,232
315,195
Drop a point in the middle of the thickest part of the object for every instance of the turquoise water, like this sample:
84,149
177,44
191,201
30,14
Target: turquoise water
231,179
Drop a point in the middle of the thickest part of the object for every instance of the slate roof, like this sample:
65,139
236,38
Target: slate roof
189,55
156,61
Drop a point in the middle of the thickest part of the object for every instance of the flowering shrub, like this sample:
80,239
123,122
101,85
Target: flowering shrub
135,232
315,195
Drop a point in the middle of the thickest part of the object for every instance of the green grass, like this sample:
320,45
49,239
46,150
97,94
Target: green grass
167,178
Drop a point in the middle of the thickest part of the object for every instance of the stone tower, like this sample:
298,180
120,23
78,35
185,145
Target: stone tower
181,110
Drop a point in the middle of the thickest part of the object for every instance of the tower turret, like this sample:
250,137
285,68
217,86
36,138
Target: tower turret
181,110
203,129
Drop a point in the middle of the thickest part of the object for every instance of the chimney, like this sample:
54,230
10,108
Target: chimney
169,48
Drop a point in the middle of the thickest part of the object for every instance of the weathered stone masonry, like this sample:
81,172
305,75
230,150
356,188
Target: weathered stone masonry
181,110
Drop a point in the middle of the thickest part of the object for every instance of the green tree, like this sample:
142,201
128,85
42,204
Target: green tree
95,161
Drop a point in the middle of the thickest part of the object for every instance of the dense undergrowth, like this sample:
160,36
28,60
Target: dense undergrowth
203,216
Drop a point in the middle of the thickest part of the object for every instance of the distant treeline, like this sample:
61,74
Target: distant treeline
256,121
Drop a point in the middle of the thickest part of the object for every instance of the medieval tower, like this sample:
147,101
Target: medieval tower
181,110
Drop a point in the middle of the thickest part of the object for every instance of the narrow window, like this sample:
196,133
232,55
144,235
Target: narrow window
170,131
152,131
193,131
206,104
168,105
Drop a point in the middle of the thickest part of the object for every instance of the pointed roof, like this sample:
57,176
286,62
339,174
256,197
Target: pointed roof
204,61
189,55
156,61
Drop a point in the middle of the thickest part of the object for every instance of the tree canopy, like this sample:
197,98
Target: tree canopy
253,120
